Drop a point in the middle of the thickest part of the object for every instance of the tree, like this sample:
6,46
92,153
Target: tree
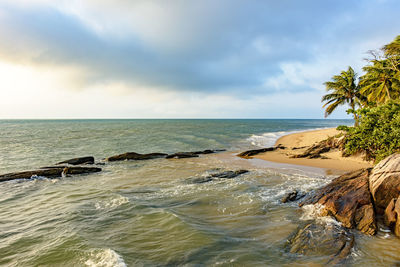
343,90
381,82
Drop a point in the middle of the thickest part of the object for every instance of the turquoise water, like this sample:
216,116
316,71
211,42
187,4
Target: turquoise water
146,213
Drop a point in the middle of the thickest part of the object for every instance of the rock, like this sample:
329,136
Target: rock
322,240
195,154
392,216
78,161
136,156
49,172
347,198
384,182
250,153
220,175
314,151
292,196
181,155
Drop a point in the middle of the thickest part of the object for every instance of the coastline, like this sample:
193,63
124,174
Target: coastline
297,143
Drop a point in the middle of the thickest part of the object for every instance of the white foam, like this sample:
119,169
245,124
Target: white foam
105,258
265,139
111,203
313,212
268,139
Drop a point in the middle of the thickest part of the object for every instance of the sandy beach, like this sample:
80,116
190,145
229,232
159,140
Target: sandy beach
297,143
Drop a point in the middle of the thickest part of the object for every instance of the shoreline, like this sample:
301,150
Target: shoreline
297,143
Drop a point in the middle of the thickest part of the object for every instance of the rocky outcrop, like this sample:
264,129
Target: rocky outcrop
49,172
181,155
253,152
220,175
348,200
136,156
320,240
384,182
324,146
392,216
78,161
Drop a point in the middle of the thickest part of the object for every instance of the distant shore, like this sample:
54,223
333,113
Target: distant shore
298,142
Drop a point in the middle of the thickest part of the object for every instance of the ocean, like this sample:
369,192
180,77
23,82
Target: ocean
148,213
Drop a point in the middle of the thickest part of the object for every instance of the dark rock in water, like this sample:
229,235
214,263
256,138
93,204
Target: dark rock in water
250,153
384,182
347,198
292,196
49,172
220,175
78,161
136,156
207,151
181,155
320,240
228,174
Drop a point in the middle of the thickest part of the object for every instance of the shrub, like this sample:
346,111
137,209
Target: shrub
378,134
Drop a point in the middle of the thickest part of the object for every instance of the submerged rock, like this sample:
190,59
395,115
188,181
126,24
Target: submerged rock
292,196
78,161
384,182
320,240
347,198
136,156
220,175
49,172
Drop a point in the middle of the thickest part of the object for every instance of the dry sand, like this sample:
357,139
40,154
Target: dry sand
303,140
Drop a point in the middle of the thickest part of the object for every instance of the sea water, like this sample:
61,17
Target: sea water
146,213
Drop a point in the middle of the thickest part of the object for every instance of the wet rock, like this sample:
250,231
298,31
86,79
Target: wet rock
384,182
49,172
220,175
78,161
347,198
136,156
250,153
320,240
292,196
392,216
181,155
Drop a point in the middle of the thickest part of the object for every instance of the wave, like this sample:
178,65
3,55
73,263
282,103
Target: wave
268,139
105,258
111,202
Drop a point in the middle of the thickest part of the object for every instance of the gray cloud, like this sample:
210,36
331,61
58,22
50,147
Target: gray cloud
204,46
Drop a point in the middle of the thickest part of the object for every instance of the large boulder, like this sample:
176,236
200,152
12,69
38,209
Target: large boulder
49,172
384,182
322,240
348,200
78,161
136,156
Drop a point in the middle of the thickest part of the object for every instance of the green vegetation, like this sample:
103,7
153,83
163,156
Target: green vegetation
374,102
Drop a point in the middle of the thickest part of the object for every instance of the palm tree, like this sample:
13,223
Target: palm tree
381,82
343,90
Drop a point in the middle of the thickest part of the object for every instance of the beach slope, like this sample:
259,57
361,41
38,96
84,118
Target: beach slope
297,143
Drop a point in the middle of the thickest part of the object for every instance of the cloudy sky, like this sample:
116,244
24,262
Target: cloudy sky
181,58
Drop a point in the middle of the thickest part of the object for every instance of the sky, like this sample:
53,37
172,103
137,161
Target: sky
182,58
